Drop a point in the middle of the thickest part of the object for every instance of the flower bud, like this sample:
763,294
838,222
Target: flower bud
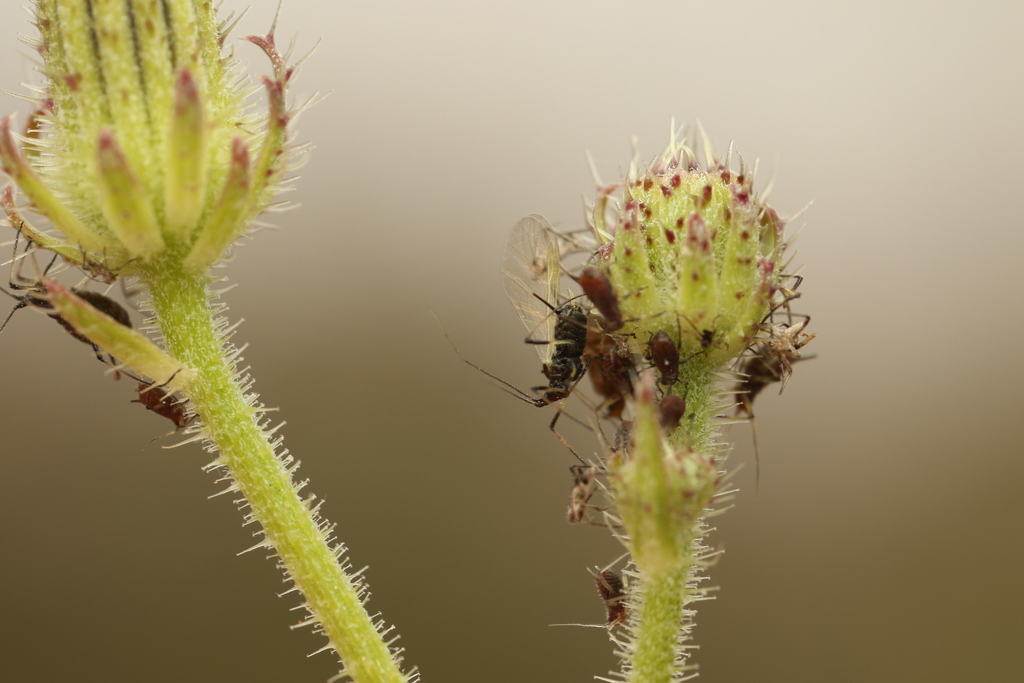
142,148
690,250
661,491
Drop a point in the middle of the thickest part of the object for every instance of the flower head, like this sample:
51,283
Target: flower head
141,148
691,250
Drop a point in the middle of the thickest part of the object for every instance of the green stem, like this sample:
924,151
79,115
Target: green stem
662,488
291,527
658,633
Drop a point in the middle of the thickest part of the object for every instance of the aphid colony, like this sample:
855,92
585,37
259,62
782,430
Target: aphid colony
581,332
31,293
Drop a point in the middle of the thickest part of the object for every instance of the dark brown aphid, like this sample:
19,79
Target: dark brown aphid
613,592
35,295
582,490
164,404
670,412
611,368
598,288
665,357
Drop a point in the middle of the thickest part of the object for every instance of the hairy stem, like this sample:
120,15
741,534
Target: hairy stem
658,632
292,529
663,491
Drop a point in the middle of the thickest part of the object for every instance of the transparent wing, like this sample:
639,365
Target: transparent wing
531,270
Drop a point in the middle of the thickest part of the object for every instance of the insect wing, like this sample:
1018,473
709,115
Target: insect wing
531,273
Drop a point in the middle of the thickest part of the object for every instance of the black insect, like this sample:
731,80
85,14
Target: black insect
532,272
34,294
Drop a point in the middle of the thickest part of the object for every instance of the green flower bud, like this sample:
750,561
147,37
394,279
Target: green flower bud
142,148
661,491
691,251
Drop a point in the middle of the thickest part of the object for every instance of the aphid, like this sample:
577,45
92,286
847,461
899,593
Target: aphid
665,357
598,288
706,336
164,404
582,490
771,361
532,272
611,368
35,295
671,411
613,592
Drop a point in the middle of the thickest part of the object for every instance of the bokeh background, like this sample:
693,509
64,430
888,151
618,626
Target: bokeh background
885,540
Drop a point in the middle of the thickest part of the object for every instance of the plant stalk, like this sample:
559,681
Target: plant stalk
291,526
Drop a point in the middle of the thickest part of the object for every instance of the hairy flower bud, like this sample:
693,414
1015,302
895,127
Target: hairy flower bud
142,148
692,251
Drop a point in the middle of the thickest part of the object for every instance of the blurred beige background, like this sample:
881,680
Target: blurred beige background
885,542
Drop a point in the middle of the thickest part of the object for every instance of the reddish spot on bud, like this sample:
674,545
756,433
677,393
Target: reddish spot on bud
72,81
706,194
739,295
679,222
670,235
628,251
630,205
695,276
726,176
675,181
667,191
740,178
650,241
648,183
743,196
604,251
727,215
745,235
